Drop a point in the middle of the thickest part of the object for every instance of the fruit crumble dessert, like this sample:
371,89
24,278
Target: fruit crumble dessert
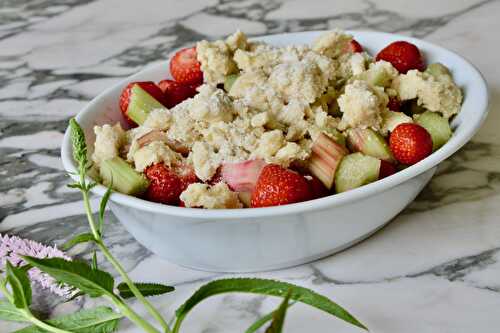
247,124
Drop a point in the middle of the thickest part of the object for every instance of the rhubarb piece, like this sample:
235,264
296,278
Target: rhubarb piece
229,81
369,143
242,176
377,76
123,177
245,198
438,70
356,170
141,104
437,126
325,158
158,135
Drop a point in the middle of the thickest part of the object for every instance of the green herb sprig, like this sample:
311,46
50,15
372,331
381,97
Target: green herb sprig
88,279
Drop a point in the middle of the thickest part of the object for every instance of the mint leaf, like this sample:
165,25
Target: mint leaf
263,287
101,319
20,285
146,289
78,239
78,274
102,207
9,312
262,321
279,316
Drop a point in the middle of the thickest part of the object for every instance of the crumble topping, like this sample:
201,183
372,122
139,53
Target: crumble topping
216,196
435,93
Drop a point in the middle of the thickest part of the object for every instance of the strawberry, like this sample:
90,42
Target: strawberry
148,86
316,188
355,47
410,143
386,169
185,68
165,185
394,104
279,186
175,92
403,56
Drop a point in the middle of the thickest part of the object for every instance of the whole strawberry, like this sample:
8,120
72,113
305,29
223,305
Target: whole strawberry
185,67
410,143
165,185
148,86
279,186
175,92
403,56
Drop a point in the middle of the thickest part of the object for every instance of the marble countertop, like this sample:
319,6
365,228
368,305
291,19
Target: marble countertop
435,268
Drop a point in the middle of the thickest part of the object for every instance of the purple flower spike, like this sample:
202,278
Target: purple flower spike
13,247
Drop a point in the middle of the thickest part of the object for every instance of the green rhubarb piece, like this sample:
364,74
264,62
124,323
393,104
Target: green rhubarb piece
370,143
356,170
438,70
376,77
123,177
229,81
437,126
141,104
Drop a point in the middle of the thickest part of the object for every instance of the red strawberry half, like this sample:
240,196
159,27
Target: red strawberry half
185,67
410,143
165,185
355,47
148,86
279,186
403,56
175,92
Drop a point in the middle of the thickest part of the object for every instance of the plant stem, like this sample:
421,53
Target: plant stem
115,262
90,217
131,314
132,286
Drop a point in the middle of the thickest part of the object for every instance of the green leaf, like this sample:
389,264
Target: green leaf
262,321
74,185
9,312
78,274
94,260
102,207
263,287
147,289
101,319
279,316
78,239
20,285
79,144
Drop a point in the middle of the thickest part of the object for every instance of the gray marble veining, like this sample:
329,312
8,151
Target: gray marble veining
436,266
